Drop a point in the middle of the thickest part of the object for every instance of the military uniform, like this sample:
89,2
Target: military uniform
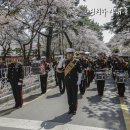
15,76
60,75
100,64
55,72
121,66
83,65
72,80
61,83
90,72
114,64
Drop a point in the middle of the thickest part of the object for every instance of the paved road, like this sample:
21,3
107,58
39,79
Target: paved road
49,112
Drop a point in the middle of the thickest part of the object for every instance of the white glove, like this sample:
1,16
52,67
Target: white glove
60,64
79,78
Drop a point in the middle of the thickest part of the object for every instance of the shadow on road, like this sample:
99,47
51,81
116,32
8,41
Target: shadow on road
59,120
54,96
7,111
32,97
106,109
94,99
11,109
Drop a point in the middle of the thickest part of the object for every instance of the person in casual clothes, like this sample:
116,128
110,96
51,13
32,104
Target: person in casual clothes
44,69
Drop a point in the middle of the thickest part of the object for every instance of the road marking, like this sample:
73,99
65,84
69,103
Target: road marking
126,113
40,125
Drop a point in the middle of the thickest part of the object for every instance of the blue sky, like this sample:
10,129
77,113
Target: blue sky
103,5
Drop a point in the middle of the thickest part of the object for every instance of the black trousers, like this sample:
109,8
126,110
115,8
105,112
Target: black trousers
100,87
72,94
43,80
56,77
17,93
82,86
61,82
129,72
121,89
88,81
90,78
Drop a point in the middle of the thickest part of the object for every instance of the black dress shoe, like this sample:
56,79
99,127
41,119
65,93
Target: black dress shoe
100,95
21,106
82,93
16,106
70,112
74,112
62,91
121,95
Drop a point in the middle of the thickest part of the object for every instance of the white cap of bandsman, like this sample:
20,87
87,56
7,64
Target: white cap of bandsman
87,53
81,52
70,50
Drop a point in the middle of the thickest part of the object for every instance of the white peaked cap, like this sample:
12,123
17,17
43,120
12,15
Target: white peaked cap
81,52
120,54
87,52
69,50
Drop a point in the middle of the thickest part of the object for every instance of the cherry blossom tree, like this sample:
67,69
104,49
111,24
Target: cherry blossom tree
120,41
52,23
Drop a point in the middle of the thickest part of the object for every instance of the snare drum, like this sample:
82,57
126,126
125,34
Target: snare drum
100,75
120,78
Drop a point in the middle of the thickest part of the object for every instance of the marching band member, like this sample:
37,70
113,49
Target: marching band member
60,75
89,71
55,63
100,65
73,74
83,64
121,67
15,77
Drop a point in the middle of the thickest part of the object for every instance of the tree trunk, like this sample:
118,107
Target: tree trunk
30,49
68,39
48,45
62,34
24,54
38,48
4,57
60,44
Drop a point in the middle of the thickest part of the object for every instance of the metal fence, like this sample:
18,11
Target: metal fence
31,77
